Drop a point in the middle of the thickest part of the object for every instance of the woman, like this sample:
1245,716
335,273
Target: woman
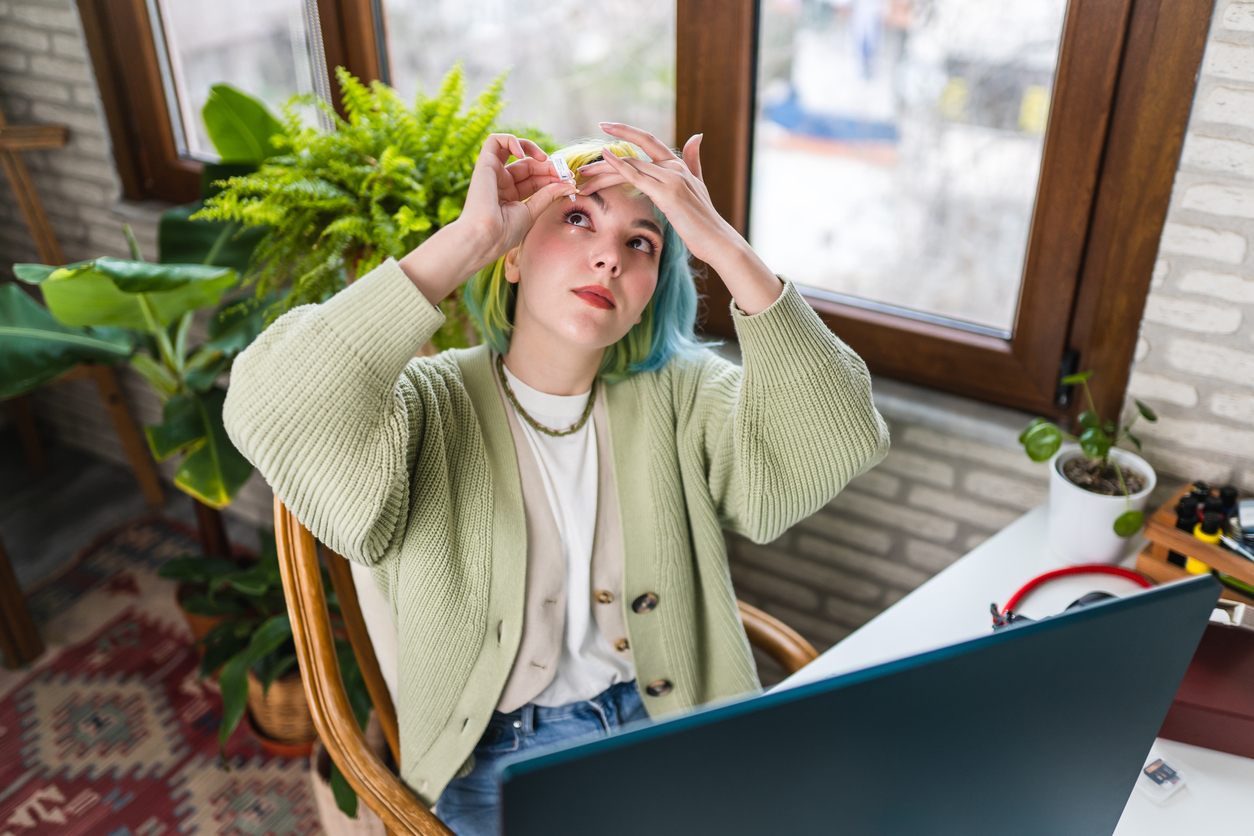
544,512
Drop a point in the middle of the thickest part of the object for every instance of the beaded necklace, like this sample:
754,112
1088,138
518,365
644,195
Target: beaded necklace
573,428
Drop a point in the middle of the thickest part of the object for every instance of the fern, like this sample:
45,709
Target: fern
337,203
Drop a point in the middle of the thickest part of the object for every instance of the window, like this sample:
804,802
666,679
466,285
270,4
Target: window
919,129
572,63
1083,227
267,48
1009,179
156,59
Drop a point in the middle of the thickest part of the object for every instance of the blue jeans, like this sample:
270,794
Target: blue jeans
470,805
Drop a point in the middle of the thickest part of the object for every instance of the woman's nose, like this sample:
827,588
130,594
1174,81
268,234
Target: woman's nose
607,257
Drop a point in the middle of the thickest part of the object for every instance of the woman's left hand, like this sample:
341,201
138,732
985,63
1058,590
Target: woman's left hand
674,185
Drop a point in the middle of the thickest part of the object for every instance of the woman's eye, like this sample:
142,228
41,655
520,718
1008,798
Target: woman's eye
648,245
570,218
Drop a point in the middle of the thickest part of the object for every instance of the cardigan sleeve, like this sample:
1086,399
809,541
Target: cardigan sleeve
326,404
786,432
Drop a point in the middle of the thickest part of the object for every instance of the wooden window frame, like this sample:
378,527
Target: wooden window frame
1124,88
120,41
1122,96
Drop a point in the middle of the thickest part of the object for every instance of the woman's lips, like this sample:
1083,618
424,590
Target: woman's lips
597,297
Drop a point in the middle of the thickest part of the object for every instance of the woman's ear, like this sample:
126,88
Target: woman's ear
512,274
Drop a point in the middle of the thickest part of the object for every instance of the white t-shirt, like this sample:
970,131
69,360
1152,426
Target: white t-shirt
568,468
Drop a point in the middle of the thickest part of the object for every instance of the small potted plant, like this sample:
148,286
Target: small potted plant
253,654
1097,491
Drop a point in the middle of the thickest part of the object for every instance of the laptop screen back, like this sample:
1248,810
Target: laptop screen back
1038,729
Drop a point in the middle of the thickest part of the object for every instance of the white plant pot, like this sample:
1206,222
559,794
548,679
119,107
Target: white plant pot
1082,523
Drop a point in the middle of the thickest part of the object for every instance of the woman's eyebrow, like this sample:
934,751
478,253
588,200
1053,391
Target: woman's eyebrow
642,223
638,223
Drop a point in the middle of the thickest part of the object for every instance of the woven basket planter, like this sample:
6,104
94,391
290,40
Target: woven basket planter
282,712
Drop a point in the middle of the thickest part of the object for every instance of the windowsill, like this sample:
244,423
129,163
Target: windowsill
939,411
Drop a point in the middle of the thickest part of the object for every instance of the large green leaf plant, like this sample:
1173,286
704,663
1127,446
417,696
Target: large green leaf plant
110,309
337,203
240,128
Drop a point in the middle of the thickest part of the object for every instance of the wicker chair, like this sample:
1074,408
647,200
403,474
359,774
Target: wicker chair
376,785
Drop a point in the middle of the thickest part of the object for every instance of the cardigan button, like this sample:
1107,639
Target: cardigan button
605,597
659,688
621,645
645,603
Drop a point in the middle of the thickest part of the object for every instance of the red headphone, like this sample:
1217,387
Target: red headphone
1007,616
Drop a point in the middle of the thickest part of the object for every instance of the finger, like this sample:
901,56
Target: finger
601,181
516,148
489,175
601,167
530,167
592,169
643,168
530,185
533,151
647,185
544,198
501,147
692,154
651,144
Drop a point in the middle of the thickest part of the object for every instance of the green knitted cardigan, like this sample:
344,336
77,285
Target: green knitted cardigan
408,466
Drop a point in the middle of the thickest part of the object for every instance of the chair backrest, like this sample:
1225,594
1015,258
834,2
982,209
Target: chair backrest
402,813
375,784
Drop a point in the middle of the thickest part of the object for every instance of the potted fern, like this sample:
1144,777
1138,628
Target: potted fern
337,203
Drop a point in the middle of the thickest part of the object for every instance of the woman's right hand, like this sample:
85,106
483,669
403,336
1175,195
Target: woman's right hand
494,211
494,218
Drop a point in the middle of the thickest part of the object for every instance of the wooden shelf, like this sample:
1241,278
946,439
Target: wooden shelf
1165,538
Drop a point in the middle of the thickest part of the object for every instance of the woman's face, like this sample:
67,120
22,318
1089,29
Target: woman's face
588,268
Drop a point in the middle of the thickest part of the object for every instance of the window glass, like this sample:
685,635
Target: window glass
897,148
262,47
574,63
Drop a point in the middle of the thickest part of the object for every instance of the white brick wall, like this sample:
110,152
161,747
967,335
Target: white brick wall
948,483
1198,369
45,76
881,537
1228,247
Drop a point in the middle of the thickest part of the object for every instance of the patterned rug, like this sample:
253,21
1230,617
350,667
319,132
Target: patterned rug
111,733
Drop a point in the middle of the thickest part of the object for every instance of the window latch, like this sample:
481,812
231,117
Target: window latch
1070,362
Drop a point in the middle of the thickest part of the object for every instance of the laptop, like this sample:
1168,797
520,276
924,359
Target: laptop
1040,728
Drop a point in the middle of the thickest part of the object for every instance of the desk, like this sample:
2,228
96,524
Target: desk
953,607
